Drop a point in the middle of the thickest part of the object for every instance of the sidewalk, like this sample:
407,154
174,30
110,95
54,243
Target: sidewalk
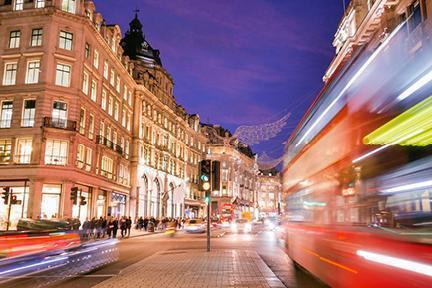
138,233
197,268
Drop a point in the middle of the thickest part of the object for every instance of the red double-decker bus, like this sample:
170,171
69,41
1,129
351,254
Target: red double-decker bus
358,171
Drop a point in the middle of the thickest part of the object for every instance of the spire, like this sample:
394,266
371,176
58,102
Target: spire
135,45
135,25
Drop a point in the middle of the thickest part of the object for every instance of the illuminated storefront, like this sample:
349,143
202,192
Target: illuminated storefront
11,213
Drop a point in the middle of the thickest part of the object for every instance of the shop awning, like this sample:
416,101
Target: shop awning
411,128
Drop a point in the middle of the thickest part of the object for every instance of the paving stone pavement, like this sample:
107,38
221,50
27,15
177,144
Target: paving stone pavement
197,268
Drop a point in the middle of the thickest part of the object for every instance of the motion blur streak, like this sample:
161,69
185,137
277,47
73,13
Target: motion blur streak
397,262
409,187
351,81
33,265
331,261
416,86
370,153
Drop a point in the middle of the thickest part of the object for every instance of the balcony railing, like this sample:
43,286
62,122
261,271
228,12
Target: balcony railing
59,123
108,143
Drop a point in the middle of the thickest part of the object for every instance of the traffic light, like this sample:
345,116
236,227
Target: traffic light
83,200
5,195
205,174
74,195
207,198
215,175
14,200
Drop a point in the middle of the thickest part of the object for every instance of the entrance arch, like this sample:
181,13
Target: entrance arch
155,198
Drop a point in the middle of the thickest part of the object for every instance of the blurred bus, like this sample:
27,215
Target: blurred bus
358,171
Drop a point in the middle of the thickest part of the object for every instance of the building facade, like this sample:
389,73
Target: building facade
77,109
238,174
269,193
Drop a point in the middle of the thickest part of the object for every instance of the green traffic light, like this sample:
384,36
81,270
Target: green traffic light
204,178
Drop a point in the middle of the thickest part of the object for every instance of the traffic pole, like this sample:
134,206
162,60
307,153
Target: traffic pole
208,223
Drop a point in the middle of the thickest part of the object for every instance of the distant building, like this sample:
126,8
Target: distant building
269,193
239,172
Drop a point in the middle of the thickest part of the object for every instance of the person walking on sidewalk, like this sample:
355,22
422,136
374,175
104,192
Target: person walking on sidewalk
128,225
145,223
110,227
123,226
104,226
115,227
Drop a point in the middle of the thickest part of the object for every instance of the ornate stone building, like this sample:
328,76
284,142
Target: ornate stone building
168,143
239,172
81,108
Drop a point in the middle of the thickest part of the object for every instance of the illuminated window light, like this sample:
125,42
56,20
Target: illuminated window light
397,262
416,86
350,82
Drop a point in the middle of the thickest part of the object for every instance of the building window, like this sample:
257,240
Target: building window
91,126
63,73
68,6
127,149
104,99
116,111
5,150
14,39
112,78
10,72
82,121
93,90
59,114
19,4
29,113
96,59
87,50
114,138
130,98
110,105
36,38
50,204
125,92
40,4
128,122
105,70
33,69
6,114
80,156
85,83
66,39
23,150
56,152
414,14
102,129
107,167
118,84
108,133
89,155
123,118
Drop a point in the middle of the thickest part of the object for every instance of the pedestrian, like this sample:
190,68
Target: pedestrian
92,226
145,223
123,226
140,223
115,227
128,225
110,227
104,227
85,228
98,227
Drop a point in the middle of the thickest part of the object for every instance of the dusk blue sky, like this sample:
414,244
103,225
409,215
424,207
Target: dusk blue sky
239,62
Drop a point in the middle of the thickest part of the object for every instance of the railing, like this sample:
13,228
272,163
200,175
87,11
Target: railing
55,160
59,123
108,143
